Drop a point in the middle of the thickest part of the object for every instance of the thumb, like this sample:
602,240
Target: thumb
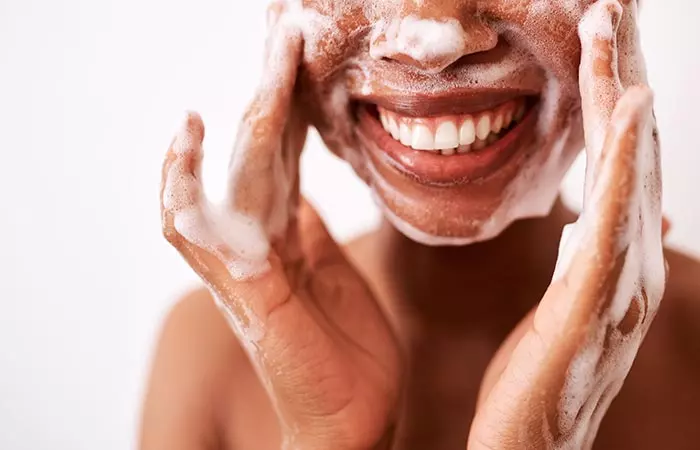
317,244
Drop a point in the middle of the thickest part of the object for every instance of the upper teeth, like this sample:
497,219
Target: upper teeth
448,133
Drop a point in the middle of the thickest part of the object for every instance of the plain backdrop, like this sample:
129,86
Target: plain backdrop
91,92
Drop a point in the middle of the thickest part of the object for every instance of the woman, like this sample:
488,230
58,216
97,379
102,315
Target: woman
462,321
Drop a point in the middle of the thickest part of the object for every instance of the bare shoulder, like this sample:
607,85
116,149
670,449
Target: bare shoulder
203,392
657,406
201,381
675,332
681,306
684,275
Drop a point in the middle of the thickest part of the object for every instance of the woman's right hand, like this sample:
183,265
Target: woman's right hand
320,344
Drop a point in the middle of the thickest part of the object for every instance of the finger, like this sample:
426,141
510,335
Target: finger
500,360
312,256
309,249
337,287
274,12
317,244
187,219
607,204
631,64
182,204
180,187
263,172
572,361
226,251
611,220
599,71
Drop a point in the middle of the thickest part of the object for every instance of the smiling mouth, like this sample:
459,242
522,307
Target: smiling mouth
460,146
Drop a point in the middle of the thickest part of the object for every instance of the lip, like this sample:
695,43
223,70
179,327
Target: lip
454,102
434,169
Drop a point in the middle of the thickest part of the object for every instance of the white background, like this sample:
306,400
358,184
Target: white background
90,95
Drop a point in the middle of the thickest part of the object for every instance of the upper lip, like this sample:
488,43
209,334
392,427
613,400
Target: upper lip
458,101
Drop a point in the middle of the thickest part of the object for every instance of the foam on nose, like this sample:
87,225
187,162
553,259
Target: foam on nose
432,44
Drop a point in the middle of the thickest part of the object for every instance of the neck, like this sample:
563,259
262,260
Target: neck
489,284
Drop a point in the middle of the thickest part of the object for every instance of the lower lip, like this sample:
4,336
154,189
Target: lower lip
433,168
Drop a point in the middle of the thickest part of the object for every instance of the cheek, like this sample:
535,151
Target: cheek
548,29
321,53
332,34
557,47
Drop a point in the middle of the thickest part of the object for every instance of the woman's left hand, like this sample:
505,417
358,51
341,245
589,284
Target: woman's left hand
554,378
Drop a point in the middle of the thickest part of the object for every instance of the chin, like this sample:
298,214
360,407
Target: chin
460,167
464,176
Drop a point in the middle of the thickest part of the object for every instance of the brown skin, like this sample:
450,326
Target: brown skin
204,394
545,44
376,346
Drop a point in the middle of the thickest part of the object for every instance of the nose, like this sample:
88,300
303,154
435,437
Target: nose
430,35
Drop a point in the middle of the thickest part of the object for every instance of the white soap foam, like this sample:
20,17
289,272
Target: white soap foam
421,39
601,93
539,10
568,246
241,241
315,27
237,241
595,376
589,384
424,39
255,230
533,194
213,230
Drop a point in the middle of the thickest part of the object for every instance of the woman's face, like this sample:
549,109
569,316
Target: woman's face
461,115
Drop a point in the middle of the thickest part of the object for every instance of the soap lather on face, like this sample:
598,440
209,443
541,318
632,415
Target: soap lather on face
408,53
